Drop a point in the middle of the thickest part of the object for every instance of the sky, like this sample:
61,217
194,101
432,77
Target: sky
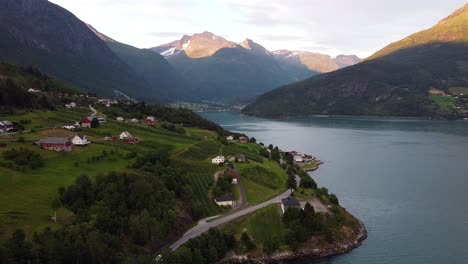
333,27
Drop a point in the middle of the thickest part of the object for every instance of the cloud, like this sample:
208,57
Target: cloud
339,26
177,35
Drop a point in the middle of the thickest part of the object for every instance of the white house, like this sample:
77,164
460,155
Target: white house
226,200
120,119
32,90
298,158
71,126
125,135
134,120
80,140
218,160
230,138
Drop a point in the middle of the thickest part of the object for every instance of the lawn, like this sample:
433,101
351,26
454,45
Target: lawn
261,225
444,103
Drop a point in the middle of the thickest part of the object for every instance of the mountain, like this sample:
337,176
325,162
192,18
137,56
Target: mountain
395,81
346,60
163,82
48,37
197,46
223,71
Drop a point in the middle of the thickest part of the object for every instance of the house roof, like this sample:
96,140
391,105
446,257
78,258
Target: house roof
290,201
126,134
81,135
6,123
55,140
87,119
225,198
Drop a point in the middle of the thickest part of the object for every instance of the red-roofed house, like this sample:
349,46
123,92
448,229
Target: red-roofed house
150,120
86,122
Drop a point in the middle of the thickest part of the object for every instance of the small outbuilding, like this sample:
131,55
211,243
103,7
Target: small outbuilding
225,200
289,202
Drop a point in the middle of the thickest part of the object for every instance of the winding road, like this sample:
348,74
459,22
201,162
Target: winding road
205,224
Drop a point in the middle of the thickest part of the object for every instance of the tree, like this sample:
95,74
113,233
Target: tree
334,199
308,182
270,147
271,245
253,140
94,123
291,183
19,250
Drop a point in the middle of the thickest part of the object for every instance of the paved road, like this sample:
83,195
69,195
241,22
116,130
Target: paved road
204,225
93,109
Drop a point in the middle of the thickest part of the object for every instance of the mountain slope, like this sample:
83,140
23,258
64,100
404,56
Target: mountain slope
164,82
46,36
317,62
393,82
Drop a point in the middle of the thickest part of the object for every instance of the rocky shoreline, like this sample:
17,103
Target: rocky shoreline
314,249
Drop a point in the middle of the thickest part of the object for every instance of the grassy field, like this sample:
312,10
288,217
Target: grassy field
445,103
26,195
262,225
264,183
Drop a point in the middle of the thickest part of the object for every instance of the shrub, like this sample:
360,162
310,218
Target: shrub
24,157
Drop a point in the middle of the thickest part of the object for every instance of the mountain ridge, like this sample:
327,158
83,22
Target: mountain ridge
395,81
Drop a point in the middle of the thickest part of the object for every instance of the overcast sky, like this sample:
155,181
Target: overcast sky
329,26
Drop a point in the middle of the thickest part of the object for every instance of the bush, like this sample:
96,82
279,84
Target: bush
24,157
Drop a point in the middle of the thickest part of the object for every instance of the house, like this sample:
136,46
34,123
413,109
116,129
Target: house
80,140
126,137
102,120
230,138
6,126
71,126
134,120
289,202
86,122
244,140
70,105
56,143
32,90
120,119
298,158
218,160
150,120
240,157
226,200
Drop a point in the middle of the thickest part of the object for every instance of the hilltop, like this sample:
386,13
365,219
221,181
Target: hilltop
423,75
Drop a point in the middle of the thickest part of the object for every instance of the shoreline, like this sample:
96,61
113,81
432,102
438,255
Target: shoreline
308,252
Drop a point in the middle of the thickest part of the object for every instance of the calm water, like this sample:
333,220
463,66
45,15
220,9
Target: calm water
407,180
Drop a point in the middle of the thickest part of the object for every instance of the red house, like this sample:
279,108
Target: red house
244,140
150,120
86,122
57,144
6,126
